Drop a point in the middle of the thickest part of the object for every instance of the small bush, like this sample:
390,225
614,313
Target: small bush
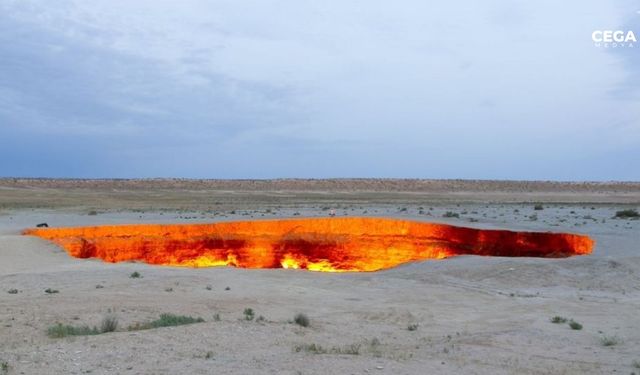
166,320
575,325
451,214
609,340
216,317
301,319
558,319
4,367
413,327
92,213
135,275
12,291
51,291
538,207
636,364
248,313
109,324
627,214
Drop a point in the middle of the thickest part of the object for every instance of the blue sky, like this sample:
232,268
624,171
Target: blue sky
267,89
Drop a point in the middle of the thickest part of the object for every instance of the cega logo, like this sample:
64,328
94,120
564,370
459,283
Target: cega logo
611,38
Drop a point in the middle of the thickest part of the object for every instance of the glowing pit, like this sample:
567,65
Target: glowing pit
316,244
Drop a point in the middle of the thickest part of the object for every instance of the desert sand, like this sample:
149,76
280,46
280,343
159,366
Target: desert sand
471,315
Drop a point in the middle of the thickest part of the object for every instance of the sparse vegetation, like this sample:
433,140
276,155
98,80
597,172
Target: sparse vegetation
135,275
166,320
575,325
92,213
59,330
4,367
558,319
109,324
538,207
451,214
627,214
216,317
636,364
51,291
413,327
12,291
609,340
353,349
301,319
249,314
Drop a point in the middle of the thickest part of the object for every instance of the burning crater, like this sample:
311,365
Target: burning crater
316,244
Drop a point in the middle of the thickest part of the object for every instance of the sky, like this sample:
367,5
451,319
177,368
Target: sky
319,89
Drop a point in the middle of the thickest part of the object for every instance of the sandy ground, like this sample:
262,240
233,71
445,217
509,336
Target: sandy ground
474,315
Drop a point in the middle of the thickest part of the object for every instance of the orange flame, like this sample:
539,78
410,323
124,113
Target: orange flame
315,244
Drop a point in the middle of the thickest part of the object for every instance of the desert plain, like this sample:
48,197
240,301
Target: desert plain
461,315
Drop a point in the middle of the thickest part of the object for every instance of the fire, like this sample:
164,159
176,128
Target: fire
315,244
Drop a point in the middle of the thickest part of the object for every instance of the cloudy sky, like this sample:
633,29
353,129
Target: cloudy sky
362,88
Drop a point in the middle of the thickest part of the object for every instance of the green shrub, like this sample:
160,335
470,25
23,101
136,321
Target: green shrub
575,325
166,320
558,319
609,340
627,214
248,313
135,275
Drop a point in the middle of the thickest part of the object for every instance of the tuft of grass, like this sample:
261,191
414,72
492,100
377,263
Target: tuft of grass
109,324
135,275
60,330
413,327
353,349
627,214
451,214
301,319
166,320
249,314
208,287
261,319
216,317
558,319
92,213
575,325
636,364
538,207
12,291
51,291
609,340
4,367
